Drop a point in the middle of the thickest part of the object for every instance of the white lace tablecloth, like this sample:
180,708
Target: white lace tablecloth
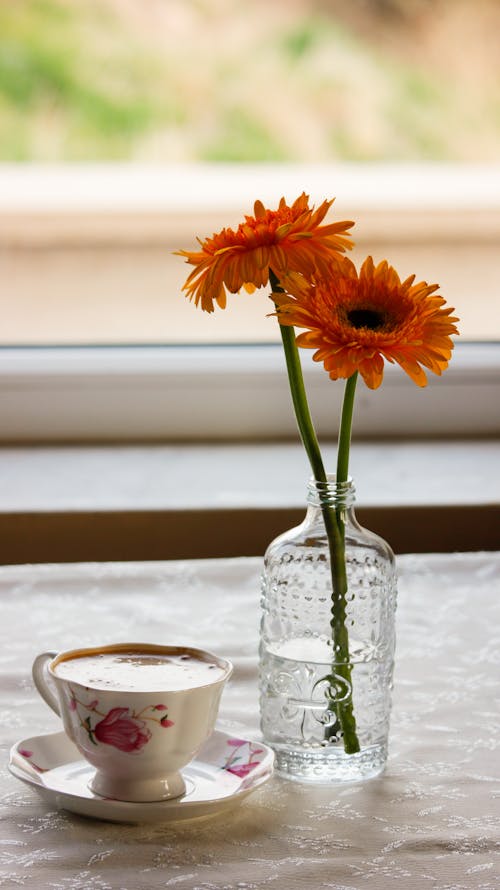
431,821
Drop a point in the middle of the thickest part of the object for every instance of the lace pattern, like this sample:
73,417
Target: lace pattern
431,821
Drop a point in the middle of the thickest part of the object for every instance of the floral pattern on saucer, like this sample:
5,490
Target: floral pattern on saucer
243,757
223,773
28,755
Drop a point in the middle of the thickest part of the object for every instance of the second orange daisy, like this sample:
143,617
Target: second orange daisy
356,321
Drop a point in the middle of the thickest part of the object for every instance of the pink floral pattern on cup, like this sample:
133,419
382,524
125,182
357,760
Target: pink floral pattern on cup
122,731
243,758
120,727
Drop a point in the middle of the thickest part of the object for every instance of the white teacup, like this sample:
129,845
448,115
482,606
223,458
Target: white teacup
137,712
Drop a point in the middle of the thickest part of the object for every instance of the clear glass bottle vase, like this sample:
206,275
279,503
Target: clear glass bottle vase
326,661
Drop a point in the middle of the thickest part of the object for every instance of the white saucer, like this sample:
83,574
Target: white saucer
225,771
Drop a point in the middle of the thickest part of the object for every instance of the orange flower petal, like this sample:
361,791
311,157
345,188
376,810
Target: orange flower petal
289,239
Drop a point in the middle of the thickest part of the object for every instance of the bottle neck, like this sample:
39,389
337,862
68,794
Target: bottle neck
331,493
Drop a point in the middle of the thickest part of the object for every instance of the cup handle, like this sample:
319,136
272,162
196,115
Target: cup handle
43,680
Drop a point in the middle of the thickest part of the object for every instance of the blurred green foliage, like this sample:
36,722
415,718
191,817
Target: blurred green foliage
221,81
63,94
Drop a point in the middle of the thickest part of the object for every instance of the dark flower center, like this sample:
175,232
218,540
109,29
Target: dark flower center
366,318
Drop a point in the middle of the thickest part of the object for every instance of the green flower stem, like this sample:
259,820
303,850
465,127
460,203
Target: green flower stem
345,429
301,407
345,712
333,520
298,393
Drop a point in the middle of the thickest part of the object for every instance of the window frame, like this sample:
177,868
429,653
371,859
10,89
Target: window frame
228,393
205,392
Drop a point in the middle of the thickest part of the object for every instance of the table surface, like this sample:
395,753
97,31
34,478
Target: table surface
431,821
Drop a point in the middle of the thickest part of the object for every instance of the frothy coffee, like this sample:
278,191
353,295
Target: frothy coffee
139,671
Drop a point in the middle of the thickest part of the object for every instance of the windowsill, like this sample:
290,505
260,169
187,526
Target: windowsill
171,501
186,477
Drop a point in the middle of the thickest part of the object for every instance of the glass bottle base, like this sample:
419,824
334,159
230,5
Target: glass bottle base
329,767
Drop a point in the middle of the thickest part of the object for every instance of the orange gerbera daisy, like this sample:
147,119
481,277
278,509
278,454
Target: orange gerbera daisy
287,239
356,321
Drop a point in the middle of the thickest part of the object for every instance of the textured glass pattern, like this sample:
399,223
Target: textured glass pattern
297,654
